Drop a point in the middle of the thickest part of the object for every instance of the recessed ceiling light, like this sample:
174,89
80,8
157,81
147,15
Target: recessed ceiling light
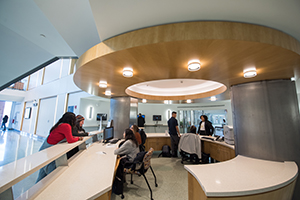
189,101
144,100
213,98
103,84
250,73
127,72
108,93
194,65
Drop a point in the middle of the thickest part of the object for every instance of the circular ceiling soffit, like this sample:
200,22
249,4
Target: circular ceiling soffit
225,50
175,89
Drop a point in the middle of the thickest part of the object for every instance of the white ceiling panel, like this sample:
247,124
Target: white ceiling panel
119,16
74,20
18,55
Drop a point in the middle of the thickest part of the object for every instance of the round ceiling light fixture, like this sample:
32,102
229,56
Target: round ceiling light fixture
127,72
108,93
103,84
144,100
213,98
194,65
250,73
189,101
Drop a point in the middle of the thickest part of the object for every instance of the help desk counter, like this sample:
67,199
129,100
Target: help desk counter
235,177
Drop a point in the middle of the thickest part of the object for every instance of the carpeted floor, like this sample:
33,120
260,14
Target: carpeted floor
171,179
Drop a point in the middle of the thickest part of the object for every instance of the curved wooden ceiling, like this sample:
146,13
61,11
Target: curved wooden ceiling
225,49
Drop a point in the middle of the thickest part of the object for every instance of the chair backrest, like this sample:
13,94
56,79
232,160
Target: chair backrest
147,158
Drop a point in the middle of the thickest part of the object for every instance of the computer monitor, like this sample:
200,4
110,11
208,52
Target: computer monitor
101,115
108,133
156,117
142,116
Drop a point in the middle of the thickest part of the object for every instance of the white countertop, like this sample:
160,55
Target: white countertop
88,177
14,172
243,176
218,142
152,135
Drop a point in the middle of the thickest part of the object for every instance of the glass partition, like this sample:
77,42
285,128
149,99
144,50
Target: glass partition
187,118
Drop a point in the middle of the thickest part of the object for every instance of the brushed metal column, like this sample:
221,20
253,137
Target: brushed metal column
121,112
266,121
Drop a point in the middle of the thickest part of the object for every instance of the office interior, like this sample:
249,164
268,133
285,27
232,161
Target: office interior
57,54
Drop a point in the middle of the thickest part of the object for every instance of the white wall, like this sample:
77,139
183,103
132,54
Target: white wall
35,79
149,110
46,116
16,114
161,109
98,106
29,124
74,100
52,72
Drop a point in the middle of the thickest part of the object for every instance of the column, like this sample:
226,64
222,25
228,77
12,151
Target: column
123,112
267,122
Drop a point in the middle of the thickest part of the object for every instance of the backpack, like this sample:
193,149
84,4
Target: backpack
166,151
143,136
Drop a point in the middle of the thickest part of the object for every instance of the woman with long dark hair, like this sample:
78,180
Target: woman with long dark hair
205,126
137,135
130,147
60,132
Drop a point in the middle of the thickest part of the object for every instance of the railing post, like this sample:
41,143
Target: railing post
82,146
62,161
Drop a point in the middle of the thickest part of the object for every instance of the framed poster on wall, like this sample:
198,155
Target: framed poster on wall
27,113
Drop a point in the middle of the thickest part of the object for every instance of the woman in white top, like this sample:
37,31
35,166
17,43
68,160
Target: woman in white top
205,126
130,147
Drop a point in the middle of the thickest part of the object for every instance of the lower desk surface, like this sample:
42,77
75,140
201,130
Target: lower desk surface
89,177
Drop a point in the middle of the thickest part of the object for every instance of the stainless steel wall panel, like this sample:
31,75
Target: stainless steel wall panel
267,122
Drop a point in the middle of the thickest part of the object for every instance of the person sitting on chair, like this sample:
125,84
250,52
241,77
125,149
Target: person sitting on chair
130,147
190,145
135,130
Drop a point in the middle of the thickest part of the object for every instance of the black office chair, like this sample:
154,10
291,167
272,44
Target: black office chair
141,169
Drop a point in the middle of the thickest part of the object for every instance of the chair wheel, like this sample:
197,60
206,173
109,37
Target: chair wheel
156,185
122,196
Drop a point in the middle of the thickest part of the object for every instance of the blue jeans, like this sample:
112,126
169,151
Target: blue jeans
3,125
48,168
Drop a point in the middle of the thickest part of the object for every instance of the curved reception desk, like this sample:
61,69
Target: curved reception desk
219,151
242,178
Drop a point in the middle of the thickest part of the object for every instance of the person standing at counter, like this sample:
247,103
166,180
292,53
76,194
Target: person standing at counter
141,120
77,129
174,133
60,132
205,126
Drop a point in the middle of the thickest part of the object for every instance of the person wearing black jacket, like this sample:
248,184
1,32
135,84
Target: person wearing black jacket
141,121
205,126
77,131
4,121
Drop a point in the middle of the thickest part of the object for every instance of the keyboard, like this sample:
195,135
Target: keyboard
208,138
114,141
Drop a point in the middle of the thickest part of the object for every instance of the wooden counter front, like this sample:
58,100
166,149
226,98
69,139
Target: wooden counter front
157,141
217,150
